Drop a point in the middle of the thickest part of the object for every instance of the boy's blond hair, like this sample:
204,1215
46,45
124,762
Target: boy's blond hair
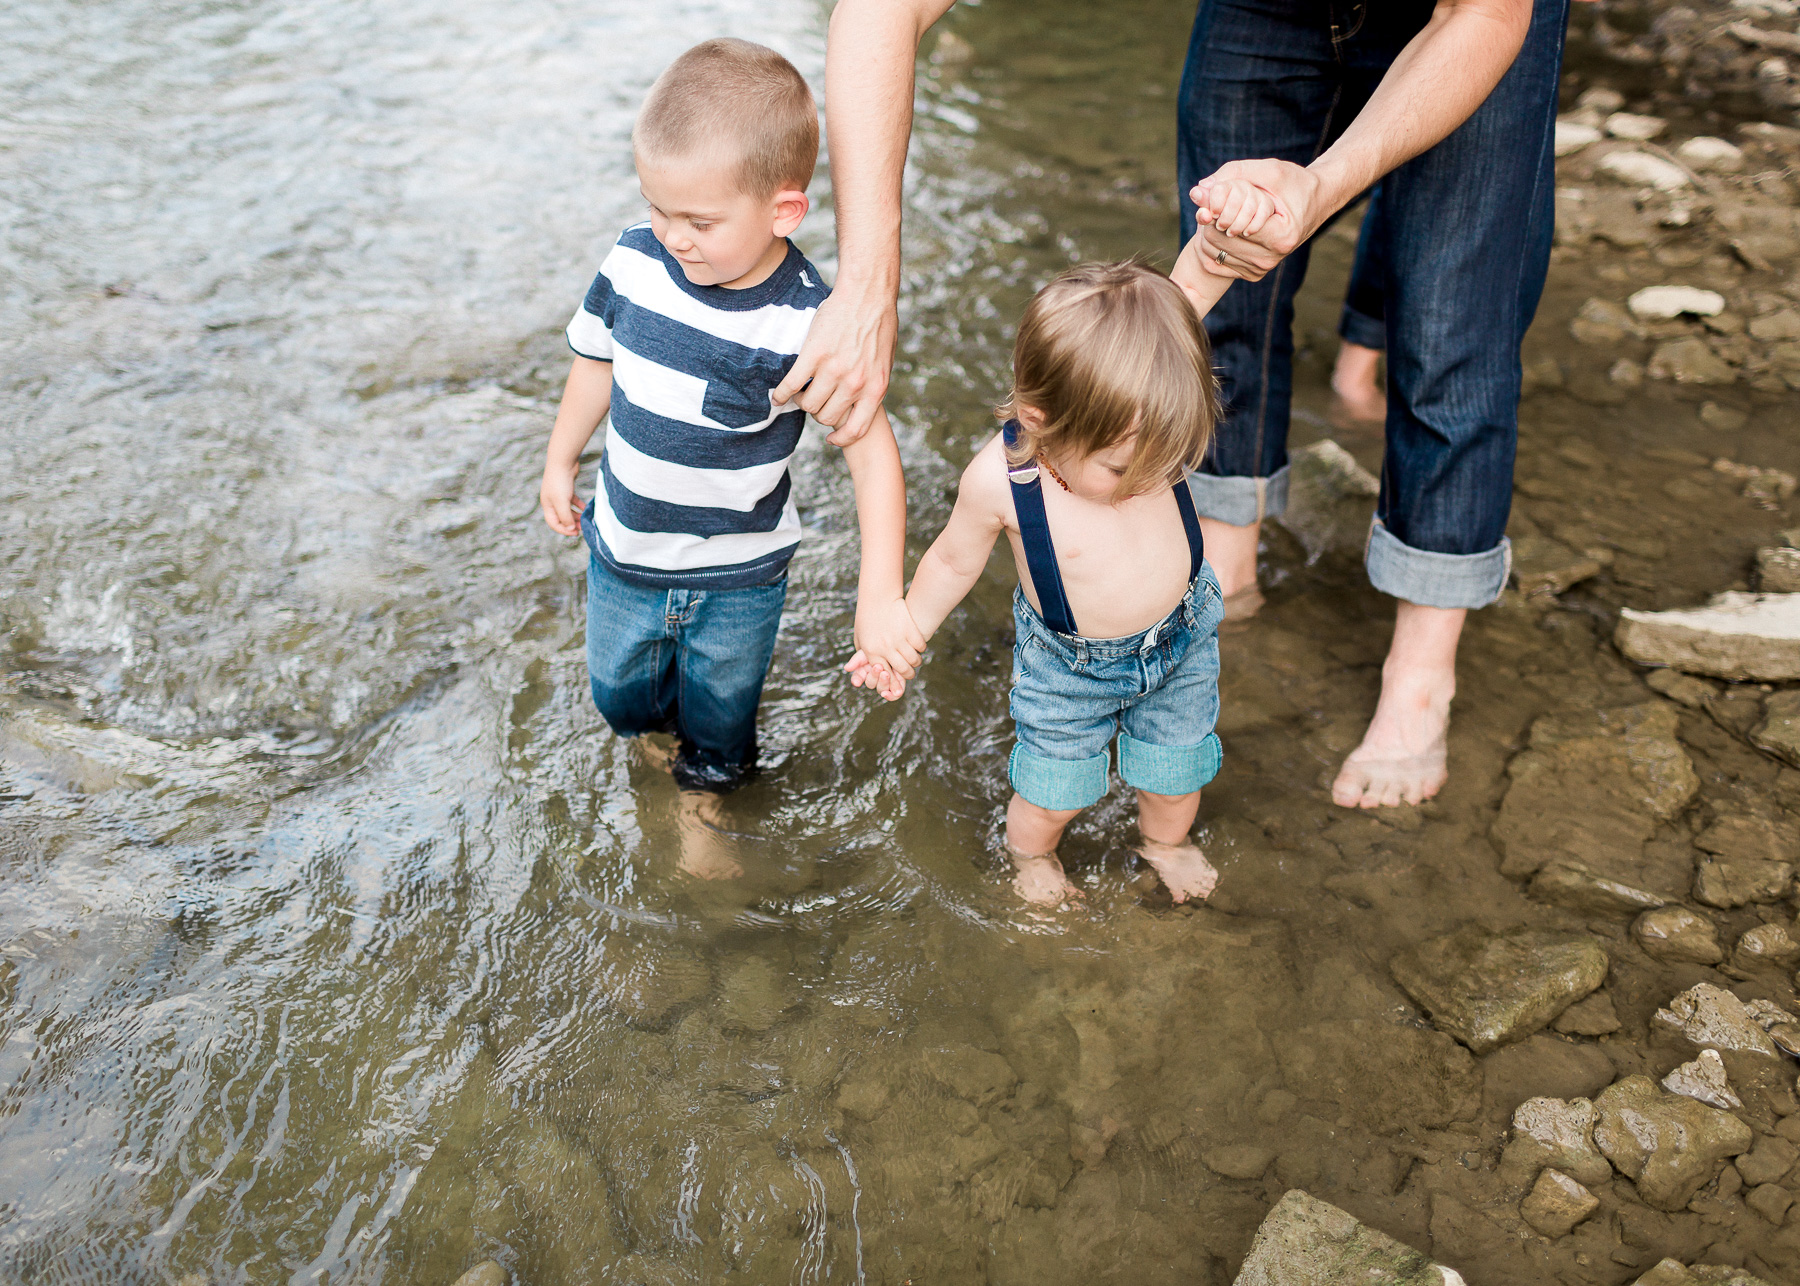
1107,350
739,102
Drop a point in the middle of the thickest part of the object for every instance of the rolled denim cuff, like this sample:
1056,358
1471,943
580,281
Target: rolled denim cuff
1360,328
1239,501
1436,580
1168,770
1057,784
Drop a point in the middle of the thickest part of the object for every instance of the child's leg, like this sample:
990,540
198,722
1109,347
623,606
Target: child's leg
1032,834
1164,821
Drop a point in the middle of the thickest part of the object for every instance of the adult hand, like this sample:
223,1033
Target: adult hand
842,371
1300,208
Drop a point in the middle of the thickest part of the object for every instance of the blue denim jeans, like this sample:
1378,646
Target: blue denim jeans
686,661
1462,234
1364,319
1157,692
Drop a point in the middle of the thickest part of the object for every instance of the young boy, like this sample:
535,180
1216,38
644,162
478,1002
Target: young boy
694,318
1116,614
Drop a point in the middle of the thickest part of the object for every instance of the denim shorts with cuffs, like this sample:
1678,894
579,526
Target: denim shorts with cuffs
1157,692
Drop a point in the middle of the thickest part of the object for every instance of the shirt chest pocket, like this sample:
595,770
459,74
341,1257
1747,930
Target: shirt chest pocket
740,398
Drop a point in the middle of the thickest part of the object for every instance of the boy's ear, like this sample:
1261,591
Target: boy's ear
791,206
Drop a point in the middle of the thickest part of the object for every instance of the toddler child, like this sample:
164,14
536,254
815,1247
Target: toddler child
1116,612
694,318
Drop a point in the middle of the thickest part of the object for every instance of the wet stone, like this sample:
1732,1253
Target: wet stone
1330,499
1553,1132
1574,886
1689,361
1710,1016
1594,1016
1703,1080
1770,1161
1776,326
1431,1080
972,1074
1671,1272
1489,989
1766,944
486,1273
1779,732
1238,1161
1706,153
1723,883
1683,689
1736,636
1675,933
1744,837
1726,419
1640,169
1668,1145
1305,1242
1771,1201
1545,567
1664,303
1556,1203
1778,570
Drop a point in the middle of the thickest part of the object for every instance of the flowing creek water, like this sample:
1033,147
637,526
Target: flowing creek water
339,940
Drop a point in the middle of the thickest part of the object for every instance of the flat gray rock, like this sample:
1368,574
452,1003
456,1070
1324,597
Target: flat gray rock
1488,989
1306,1242
1735,636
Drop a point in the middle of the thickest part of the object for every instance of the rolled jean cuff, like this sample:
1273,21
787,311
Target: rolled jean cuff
1168,770
1436,580
1360,328
1057,784
1239,501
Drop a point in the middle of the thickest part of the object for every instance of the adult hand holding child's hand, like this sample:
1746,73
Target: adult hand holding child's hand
1257,213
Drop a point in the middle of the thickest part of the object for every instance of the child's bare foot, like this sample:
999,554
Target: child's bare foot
706,851
1183,868
1355,381
1403,756
1041,880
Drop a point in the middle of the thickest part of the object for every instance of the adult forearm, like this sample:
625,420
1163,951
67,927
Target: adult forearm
1440,78
869,59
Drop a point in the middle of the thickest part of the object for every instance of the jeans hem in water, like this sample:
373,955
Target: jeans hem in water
1436,580
1240,501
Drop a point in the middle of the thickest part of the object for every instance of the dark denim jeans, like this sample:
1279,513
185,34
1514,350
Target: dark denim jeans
1462,235
686,661
1364,319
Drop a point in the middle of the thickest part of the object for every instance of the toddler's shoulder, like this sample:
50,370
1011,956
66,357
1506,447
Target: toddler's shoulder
984,483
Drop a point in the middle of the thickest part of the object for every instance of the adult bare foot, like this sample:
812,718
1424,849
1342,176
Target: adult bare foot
1355,380
1183,868
1402,758
1041,879
707,852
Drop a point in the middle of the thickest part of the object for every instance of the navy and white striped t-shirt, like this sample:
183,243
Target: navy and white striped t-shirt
694,486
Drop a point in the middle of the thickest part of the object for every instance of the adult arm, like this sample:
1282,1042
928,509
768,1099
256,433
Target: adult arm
587,396
849,351
1442,75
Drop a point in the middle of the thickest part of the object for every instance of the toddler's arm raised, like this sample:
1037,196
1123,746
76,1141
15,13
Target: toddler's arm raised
1235,207
587,396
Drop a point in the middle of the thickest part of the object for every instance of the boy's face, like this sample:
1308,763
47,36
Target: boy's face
720,235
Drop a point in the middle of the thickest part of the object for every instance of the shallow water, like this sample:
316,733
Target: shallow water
341,942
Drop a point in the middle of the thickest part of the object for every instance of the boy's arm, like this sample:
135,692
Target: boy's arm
884,632
587,396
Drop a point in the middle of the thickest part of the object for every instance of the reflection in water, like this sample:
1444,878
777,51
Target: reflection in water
341,942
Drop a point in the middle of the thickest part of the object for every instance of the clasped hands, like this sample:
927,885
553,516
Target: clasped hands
1251,216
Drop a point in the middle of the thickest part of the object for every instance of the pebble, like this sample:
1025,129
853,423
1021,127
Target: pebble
1778,570
1662,303
1704,1080
1572,885
1594,1016
1600,99
1556,1204
1769,1161
1779,733
1715,154
1735,636
1766,944
1546,567
1674,933
1572,136
1726,419
1690,361
1668,1145
1640,129
1712,1017
1643,170
1683,689
1776,326
1553,1132
1305,1240
486,1273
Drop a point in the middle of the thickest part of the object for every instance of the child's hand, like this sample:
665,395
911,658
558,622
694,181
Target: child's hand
887,637
557,498
865,673
1236,207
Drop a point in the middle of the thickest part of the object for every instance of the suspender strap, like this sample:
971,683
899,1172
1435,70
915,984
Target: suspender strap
1034,534
1190,522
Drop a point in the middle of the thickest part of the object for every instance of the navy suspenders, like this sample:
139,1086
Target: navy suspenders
1040,550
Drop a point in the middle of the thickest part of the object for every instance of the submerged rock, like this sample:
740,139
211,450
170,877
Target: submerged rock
1690,361
1766,944
1331,499
1674,933
1591,788
1726,884
1545,567
1683,689
1706,152
1779,732
1778,570
1703,1080
1743,837
1427,1078
1489,989
1671,1272
1664,303
1736,636
1669,1145
1643,170
1238,1161
486,1273
1770,1161
1305,1242
1552,1132
1574,886
1711,1016
1594,1016
1557,1203
1637,128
